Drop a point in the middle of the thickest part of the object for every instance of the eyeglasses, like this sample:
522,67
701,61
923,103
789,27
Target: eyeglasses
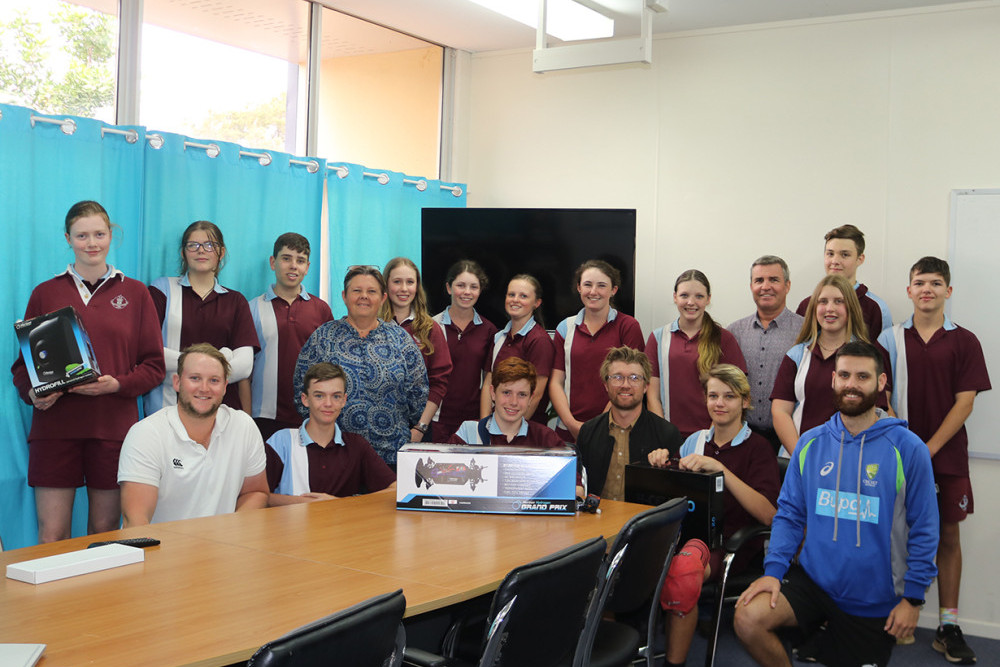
618,379
194,246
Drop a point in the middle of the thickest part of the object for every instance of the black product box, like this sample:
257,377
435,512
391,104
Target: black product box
485,479
649,485
57,351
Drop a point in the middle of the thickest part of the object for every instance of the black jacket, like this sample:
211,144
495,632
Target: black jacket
595,445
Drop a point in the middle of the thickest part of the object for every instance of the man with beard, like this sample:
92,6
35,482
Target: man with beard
627,432
860,491
198,458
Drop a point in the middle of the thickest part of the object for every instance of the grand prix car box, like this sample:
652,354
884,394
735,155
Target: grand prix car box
486,479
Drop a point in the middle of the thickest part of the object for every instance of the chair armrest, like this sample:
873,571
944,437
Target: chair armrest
744,535
419,658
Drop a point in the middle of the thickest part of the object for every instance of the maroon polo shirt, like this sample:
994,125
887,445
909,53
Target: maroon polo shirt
951,362
438,363
338,470
818,406
538,436
469,348
221,320
296,321
687,399
121,323
587,395
536,347
753,461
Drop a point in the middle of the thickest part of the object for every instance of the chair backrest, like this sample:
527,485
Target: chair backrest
649,537
539,609
369,634
635,567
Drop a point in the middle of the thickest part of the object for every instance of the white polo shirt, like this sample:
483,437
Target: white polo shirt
192,481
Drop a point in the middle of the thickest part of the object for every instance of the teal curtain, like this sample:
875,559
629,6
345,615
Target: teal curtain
44,171
152,191
375,216
252,203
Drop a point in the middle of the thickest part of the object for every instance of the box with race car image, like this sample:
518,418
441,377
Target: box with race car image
57,351
493,480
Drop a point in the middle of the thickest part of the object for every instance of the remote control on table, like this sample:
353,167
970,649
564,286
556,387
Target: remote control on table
141,542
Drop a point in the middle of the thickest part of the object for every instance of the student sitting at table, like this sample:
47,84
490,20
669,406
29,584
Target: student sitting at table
511,387
318,461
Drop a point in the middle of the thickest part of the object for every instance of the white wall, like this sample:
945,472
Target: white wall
758,140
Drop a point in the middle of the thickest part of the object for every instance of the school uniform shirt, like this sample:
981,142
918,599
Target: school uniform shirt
347,466
950,362
531,434
874,310
531,343
683,399
817,399
121,323
221,319
282,329
584,386
386,380
469,349
750,457
438,362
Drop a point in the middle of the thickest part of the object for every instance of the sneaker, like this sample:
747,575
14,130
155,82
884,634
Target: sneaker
950,642
905,641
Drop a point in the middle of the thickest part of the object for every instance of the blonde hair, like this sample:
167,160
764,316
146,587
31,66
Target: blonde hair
856,326
422,322
732,377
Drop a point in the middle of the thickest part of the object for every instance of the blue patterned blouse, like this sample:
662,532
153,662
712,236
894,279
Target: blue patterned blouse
386,381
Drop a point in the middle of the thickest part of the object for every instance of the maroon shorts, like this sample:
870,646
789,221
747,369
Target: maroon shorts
954,495
67,464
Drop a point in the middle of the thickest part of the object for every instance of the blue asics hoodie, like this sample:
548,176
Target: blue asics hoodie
867,507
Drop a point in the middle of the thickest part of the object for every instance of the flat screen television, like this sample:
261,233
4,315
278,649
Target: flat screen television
547,243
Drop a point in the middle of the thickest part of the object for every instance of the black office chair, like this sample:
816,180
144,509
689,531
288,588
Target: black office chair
537,613
727,589
634,571
369,634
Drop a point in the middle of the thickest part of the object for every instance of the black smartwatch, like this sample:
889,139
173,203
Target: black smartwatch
916,602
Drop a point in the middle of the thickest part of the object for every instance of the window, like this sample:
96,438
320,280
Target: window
380,97
235,72
58,57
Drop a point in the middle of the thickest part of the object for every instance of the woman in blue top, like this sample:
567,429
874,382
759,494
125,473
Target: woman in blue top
386,378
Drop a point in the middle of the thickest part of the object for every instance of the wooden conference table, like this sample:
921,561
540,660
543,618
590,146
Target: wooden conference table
217,588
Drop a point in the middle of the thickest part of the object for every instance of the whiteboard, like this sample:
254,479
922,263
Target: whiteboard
972,249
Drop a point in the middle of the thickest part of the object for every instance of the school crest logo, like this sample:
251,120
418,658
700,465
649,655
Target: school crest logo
871,470
119,302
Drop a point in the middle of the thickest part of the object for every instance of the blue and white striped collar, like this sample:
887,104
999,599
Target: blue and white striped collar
217,288
948,324
306,439
528,326
445,316
738,440
269,295
612,314
494,429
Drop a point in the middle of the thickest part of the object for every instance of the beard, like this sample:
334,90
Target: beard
184,404
624,403
854,409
